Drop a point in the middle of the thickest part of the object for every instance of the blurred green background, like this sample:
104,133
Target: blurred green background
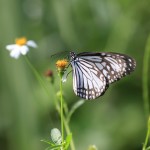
115,121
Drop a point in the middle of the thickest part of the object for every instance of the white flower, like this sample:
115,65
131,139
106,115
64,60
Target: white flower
21,47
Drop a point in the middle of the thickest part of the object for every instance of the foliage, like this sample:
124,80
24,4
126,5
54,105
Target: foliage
27,113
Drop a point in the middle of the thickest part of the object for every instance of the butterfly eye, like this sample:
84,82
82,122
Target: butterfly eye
72,56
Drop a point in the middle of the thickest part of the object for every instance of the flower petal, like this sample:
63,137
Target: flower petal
15,53
31,44
11,47
24,49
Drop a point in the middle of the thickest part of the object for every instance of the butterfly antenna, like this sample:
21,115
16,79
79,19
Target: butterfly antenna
58,53
66,57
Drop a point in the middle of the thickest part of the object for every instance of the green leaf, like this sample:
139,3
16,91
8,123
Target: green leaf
48,148
74,108
148,148
56,147
48,142
68,140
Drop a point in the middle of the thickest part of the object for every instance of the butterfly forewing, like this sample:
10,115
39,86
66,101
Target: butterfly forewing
93,72
113,65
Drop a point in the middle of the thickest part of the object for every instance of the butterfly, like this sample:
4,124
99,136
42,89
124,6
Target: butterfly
94,72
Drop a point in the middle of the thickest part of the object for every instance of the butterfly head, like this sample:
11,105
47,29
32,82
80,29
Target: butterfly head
72,56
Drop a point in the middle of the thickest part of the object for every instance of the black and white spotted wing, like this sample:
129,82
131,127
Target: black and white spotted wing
93,72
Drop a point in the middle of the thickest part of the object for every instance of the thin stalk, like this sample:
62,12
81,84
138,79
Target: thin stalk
147,136
36,73
72,146
146,140
145,89
66,126
61,111
145,78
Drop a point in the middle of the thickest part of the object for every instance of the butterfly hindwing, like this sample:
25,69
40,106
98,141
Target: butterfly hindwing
88,81
93,72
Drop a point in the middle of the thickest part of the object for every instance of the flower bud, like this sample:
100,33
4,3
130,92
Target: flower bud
49,75
61,66
56,136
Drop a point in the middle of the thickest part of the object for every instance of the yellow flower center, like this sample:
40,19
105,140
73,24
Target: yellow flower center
61,64
21,41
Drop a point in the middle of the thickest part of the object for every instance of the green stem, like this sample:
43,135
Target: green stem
146,140
67,128
145,89
36,73
63,119
72,146
145,77
147,136
61,110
